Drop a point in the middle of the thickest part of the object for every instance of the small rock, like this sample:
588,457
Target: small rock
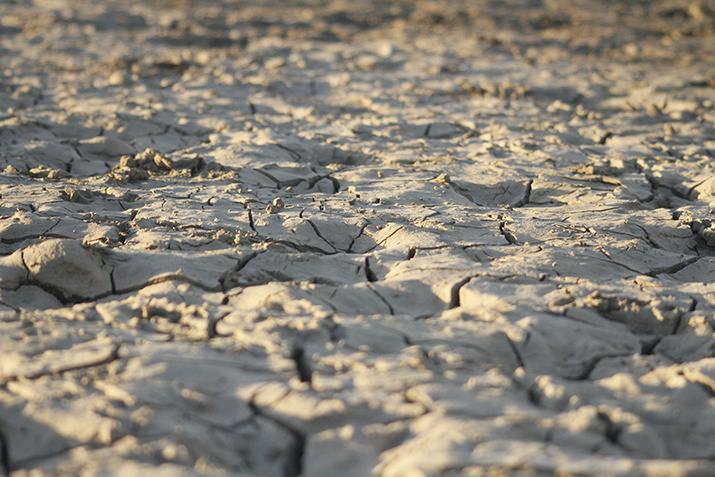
442,179
47,173
70,194
275,206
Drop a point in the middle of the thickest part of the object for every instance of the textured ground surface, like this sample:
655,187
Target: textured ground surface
342,238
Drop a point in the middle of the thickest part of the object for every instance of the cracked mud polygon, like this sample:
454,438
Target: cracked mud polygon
321,238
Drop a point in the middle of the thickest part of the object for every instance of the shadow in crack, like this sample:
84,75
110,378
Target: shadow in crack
25,440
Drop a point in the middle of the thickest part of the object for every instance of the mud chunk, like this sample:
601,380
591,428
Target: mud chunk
12,271
72,194
442,179
275,206
66,267
11,170
659,317
22,225
705,229
47,173
151,162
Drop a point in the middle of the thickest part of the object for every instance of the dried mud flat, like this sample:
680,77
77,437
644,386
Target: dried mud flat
357,238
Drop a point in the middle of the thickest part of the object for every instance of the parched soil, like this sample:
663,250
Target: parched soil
353,238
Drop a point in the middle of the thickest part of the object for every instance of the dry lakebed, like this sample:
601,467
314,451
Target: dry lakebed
357,238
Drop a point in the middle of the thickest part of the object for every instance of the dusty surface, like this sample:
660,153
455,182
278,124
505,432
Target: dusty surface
344,238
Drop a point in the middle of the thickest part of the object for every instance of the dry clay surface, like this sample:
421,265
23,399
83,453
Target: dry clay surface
408,238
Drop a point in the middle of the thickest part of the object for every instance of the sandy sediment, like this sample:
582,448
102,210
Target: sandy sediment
357,238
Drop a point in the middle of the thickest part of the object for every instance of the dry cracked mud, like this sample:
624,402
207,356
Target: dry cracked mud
321,238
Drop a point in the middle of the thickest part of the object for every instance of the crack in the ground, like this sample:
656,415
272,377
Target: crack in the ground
586,372
302,364
360,234
293,154
507,234
251,222
464,193
654,272
383,241
647,238
515,350
454,298
705,385
320,235
612,431
113,356
673,268
294,460
5,463
694,187
71,299
655,184
369,274
242,263
381,298
526,198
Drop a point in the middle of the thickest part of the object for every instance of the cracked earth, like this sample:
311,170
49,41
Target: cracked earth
321,238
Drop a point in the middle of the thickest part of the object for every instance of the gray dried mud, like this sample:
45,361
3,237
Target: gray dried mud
357,238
